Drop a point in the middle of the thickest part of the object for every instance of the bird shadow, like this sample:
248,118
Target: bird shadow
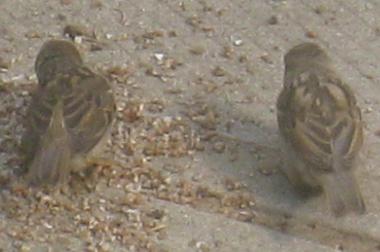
253,155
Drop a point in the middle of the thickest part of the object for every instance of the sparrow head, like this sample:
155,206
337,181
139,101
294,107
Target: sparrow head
55,56
304,60
305,55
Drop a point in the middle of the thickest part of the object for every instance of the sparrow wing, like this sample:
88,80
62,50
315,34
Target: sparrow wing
89,108
321,120
81,103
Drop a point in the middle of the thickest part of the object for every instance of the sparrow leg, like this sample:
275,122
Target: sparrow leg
102,161
91,167
99,163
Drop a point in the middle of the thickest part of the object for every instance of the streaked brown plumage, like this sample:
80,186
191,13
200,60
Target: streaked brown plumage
320,123
70,116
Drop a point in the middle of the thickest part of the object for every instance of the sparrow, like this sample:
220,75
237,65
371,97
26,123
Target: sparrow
321,125
69,119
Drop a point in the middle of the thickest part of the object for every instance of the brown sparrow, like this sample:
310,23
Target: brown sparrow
321,125
70,116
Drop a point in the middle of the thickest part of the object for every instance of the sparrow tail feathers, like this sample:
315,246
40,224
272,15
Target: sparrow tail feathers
52,156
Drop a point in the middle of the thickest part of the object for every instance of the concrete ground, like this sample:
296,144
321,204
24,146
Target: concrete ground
196,83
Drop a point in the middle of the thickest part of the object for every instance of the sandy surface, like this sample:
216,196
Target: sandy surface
196,136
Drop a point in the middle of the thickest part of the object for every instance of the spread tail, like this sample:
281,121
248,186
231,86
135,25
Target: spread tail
51,161
343,193
340,186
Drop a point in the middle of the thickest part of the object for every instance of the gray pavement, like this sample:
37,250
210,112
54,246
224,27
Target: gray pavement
230,61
